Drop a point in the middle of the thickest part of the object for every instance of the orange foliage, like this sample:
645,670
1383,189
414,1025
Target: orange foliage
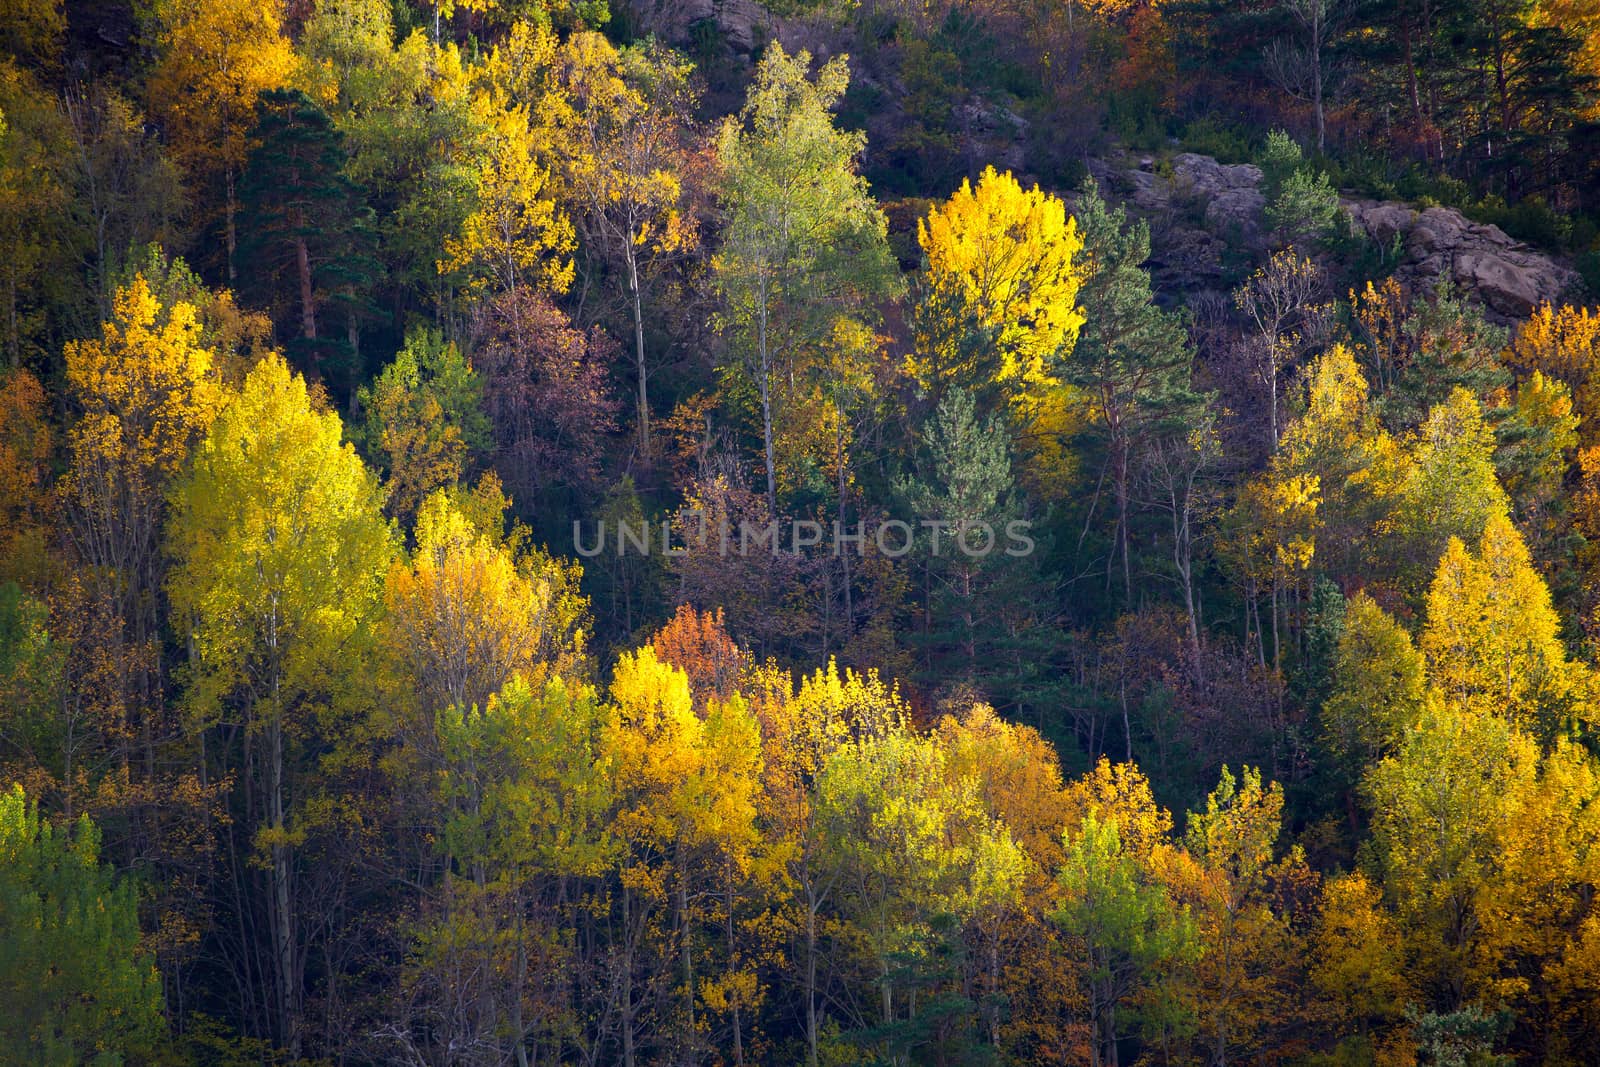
698,644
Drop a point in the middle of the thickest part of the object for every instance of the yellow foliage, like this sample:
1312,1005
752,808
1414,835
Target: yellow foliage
216,57
145,386
1002,259
1120,793
515,235
1493,640
1359,954
469,613
1564,342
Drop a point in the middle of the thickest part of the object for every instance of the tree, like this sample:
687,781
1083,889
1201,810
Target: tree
280,549
914,850
803,243
1132,359
1280,301
525,796
476,608
1305,70
686,790
144,393
515,235
126,193
1564,343
1438,804
978,596
424,420
32,31
1005,263
306,222
32,141
1360,954
1360,468
1538,437
1302,204
1379,687
1129,925
214,58
1451,488
1439,343
545,394
696,643
25,449
625,145
800,732
1493,640
79,987
1242,896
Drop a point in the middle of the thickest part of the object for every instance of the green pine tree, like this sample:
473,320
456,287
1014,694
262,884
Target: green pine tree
75,984
307,232
1132,362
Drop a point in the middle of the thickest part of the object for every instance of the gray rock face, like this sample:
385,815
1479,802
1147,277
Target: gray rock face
1201,210
671,19
1510,278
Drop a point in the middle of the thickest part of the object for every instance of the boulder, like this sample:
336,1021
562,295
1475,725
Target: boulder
1510,278
1500,284
1201,211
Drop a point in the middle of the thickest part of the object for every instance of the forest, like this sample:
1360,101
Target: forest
800,532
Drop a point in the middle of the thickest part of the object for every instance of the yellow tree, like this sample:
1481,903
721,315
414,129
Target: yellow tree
685,788
910,843
1493,640
526,803
216,56
33,31
1001,261
1360,956
1534,908
280,548
1018,779
474,608
144,392
1358,466
1438,807
1564,343
1269,538
515,234
622,137
1241,893
800,731
1113,898
424,420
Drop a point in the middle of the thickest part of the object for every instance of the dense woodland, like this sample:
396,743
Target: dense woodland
332,331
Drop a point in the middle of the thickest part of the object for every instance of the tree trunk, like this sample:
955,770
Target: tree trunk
308,304
232,231
765,384
638,353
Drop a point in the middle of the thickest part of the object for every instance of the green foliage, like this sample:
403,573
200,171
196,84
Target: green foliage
77,985
1301,203
306,230
1464,1038
425,423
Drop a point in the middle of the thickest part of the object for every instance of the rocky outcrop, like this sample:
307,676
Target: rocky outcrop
740,22
1509,277
1204,215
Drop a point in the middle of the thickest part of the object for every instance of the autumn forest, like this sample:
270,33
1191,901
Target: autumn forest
800,532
